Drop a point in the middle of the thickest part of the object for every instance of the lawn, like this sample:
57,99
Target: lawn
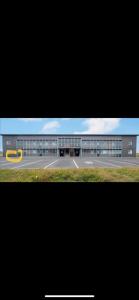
69,175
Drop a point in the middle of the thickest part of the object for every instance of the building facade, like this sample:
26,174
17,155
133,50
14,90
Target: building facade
72,145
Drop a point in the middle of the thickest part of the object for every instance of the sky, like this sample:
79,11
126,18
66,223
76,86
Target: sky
69,125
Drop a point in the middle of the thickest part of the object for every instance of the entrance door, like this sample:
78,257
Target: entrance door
67,152
40,152
71,152
61,152
77,152
98,153
74,152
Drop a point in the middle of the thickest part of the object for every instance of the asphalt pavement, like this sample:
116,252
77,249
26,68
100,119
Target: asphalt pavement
70,162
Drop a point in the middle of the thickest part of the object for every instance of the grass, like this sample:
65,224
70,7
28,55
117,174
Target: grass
69,175
137,154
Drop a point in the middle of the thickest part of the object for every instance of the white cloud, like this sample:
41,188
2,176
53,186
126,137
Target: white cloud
30,119
66,119
100,125
50,127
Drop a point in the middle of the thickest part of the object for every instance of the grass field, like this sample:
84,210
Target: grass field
68,175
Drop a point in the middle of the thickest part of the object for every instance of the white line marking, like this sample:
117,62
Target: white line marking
106,163
75,164
129,163
51,164
69,296
89,162
124,162
3,164
26,164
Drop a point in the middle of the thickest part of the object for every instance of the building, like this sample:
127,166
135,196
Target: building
71,145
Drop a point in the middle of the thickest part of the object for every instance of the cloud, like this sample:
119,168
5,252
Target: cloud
66,119
50,127
100,125
30,119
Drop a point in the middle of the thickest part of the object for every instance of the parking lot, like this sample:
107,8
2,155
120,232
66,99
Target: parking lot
70,162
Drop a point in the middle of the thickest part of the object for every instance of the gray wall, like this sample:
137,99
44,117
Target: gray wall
11,143
127,147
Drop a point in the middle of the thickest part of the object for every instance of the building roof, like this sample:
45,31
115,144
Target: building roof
18,134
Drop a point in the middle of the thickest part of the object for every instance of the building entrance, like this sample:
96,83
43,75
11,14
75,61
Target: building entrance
69,152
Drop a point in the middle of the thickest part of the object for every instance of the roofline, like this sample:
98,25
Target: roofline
69,134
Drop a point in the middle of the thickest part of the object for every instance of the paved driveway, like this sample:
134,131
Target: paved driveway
70,162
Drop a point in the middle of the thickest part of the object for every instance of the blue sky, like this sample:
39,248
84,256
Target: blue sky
70,125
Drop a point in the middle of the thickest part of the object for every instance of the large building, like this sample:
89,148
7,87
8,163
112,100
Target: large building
71,145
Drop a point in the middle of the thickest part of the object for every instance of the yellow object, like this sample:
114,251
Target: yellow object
14,159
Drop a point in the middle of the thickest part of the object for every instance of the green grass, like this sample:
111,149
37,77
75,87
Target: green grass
137,154
69,175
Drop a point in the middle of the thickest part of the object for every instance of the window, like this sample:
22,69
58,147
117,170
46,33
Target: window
130,143
54,143
130,152
104,152
114,145
8,143
34,151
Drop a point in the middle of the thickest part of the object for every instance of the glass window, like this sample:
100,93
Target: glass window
113,144
54,143
130,152
34,143
104,152
130,143
34,151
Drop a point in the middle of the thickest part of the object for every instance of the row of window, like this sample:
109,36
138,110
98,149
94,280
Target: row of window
103,144
70,142
40,152
104,152
44,144
35,144
84,152
93,144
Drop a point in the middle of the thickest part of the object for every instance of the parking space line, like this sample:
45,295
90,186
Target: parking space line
26,164
6,164
50,164
126,162
129,163
106,163
44,163
75,164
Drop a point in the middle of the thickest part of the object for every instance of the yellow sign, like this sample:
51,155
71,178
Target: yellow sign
14,152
